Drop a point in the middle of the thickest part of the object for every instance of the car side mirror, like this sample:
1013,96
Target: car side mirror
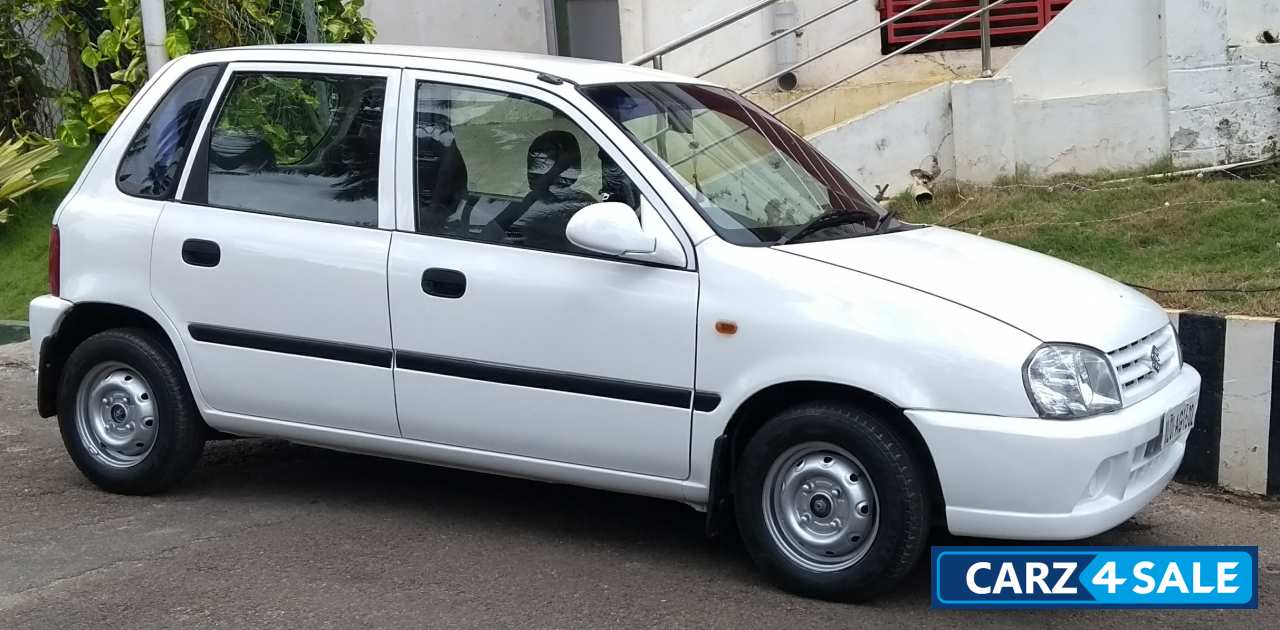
610,228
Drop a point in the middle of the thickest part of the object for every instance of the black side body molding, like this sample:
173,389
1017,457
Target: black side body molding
336,351
664,395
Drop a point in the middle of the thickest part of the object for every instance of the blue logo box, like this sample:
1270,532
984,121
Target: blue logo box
1095,577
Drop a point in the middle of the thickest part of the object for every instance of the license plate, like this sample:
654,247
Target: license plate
1178,421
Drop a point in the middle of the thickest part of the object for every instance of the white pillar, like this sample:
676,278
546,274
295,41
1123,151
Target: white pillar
985,129
153,34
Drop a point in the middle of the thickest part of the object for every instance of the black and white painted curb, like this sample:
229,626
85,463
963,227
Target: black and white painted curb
1236,440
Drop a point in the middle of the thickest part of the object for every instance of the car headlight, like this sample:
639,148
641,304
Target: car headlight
1071,382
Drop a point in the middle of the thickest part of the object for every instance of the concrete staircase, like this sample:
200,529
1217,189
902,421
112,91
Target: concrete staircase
1107,86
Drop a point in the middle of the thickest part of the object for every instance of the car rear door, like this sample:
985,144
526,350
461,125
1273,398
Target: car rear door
272,262
508,338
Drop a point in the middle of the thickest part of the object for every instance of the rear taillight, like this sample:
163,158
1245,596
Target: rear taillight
55,262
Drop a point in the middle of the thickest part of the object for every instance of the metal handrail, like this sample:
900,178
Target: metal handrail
828,51
987,6
986,40
983,12
656,54
776,37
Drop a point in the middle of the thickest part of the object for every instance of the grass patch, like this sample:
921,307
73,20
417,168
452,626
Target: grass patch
1180,235
24,239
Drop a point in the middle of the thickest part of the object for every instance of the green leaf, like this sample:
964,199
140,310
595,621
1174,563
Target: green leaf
73,132
337,30
135,71
115,13
121,94
109,43
177,44
133,33
90,57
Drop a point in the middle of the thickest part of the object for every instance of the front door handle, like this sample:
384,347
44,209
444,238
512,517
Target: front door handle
445,283
201,253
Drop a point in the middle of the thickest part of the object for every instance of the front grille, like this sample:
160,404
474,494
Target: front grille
1135,369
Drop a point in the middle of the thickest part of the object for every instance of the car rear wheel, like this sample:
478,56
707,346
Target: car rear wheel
831,502
126,415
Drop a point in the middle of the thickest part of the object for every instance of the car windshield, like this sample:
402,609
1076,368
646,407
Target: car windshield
755,180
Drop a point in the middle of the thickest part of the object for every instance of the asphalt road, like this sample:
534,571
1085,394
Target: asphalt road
266,533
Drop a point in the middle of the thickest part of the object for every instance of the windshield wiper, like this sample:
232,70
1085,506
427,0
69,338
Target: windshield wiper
828,219
890,215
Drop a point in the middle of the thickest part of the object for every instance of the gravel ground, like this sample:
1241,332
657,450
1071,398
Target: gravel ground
267,533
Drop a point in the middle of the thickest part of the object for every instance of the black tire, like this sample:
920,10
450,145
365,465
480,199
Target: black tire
900,488
179,429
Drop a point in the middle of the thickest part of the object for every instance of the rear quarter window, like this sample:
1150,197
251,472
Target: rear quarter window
152,162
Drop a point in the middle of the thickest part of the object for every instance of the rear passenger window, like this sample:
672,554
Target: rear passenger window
153,160
302,146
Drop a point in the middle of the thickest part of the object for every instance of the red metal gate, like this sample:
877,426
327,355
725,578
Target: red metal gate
1019,17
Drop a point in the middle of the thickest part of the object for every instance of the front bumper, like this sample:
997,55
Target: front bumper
1034,479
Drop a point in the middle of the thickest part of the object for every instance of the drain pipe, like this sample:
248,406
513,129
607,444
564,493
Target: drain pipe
1222,168
920,190
786,16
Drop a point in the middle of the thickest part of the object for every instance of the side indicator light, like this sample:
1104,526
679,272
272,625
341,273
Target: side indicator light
726,327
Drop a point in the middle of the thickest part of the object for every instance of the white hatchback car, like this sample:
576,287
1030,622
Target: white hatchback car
594,274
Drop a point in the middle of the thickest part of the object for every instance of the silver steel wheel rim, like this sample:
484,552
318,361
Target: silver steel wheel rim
821,507
116,415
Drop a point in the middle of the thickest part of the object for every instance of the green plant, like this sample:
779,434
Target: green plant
111,44
20,170
22,84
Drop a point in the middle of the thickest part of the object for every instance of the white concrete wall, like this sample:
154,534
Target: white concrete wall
516,25
1089,90
1096,132
1248,19
1224,104
1080,53
882,147
987,144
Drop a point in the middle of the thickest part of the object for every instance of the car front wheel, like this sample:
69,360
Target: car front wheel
831,502
126,415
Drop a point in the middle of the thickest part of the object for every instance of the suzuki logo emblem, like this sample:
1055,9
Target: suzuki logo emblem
1155,358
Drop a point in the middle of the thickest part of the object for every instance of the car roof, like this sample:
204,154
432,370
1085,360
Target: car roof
579,71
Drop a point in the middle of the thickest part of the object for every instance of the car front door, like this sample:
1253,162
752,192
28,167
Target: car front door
509,338
272,263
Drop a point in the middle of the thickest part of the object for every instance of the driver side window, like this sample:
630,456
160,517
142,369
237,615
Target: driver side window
506,169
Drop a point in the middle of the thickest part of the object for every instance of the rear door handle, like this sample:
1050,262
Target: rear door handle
445,283
201,253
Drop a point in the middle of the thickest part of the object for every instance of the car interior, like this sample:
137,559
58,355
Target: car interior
553,172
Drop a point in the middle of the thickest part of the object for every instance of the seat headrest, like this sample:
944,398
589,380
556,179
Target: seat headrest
554,159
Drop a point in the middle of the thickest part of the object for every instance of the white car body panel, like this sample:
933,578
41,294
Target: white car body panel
1008,283
936,323
283,276
536,310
